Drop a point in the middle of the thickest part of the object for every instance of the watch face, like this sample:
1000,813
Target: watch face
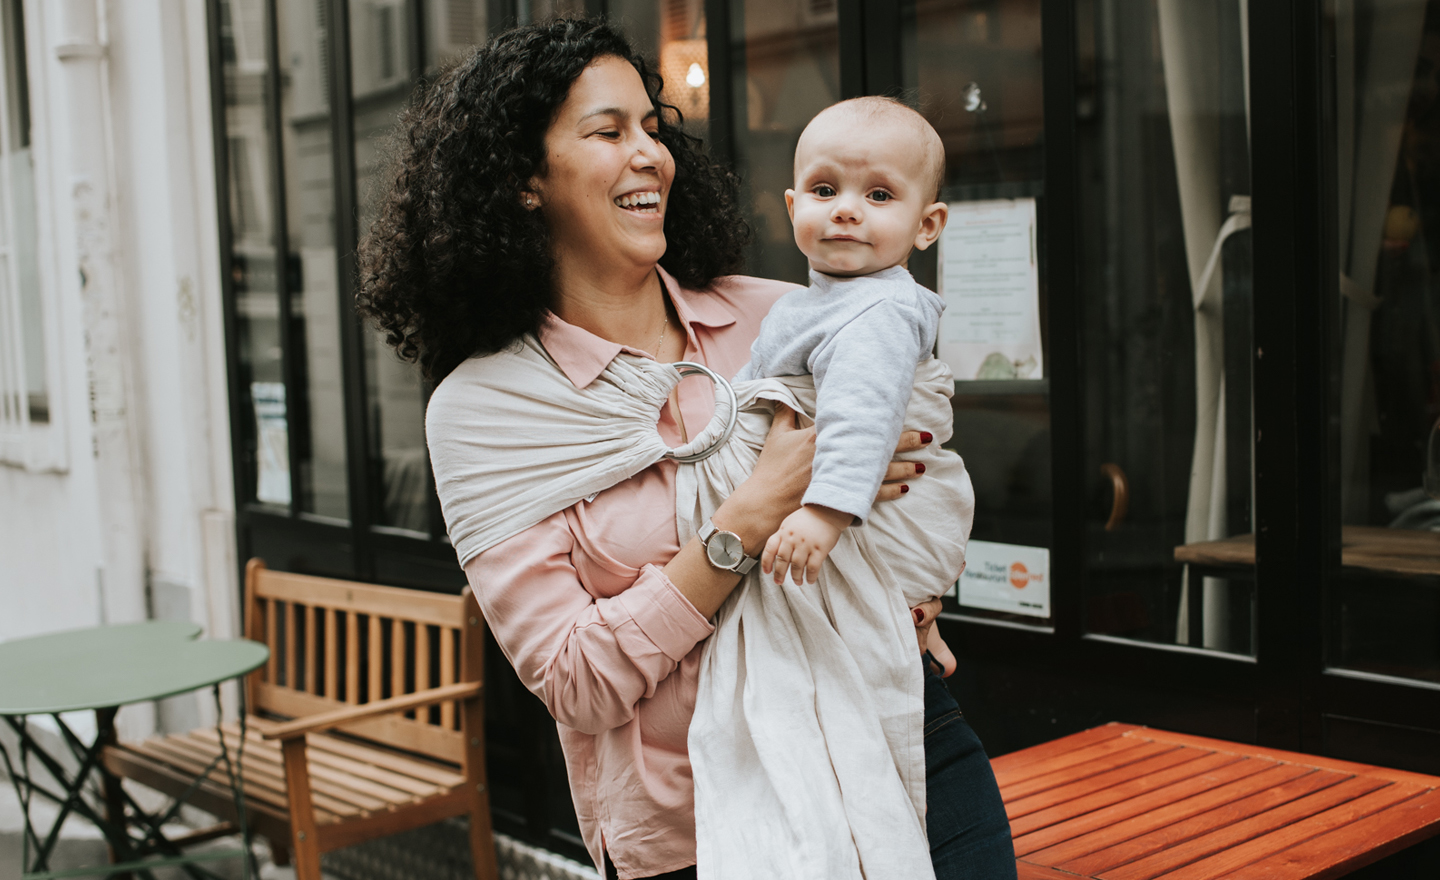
725,549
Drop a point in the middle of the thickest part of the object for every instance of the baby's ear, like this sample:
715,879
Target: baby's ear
932,223
790,204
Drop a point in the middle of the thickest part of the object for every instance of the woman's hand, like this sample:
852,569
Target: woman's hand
775,487
898,472
927,634
753,512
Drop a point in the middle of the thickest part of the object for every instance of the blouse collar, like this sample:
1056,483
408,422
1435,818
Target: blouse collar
583,356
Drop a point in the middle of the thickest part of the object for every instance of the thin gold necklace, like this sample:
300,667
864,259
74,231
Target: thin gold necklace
663,327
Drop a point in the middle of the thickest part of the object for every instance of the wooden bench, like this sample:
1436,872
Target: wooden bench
1122,802
380,690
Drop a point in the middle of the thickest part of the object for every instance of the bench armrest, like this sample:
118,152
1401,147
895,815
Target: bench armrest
326,720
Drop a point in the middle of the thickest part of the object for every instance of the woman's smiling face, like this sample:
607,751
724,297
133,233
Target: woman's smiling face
606,178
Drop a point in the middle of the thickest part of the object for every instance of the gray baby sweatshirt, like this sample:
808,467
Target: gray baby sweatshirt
861,338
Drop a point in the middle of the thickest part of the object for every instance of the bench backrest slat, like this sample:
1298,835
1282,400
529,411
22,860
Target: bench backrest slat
336,643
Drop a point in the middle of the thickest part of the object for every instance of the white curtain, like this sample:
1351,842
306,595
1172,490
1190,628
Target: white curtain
1190,49
1374,67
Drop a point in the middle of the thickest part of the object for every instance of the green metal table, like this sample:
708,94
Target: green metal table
102,669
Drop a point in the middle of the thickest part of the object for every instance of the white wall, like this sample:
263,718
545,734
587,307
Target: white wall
139,522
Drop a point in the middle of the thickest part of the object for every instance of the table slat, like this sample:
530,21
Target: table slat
1248,829
1115,761
1252,851
1015,760
1115,794
1007,778
1170,836
1081,787
1061,831
1168,813
1122,802
1358,769
1342,850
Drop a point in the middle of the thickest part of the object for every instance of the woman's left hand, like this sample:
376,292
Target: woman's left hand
927,634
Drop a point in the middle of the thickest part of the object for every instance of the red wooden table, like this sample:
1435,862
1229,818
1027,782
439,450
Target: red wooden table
1122,802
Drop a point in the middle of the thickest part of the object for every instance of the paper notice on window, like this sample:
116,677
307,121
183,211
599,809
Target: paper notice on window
1006,577
272,449
990,281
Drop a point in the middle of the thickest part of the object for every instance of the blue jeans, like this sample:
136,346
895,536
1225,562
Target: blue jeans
969,834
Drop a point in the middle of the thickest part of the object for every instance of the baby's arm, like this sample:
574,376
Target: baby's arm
805,538
863,376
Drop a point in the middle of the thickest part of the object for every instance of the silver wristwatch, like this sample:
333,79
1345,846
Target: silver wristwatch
724,549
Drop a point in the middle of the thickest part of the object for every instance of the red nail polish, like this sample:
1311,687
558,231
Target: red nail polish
919,615
904,488
926,436
919,468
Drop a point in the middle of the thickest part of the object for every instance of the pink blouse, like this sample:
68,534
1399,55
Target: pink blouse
579,605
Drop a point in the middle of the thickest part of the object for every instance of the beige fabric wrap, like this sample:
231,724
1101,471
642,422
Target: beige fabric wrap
807,739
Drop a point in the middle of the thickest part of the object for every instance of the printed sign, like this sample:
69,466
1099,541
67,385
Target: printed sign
272,452
990,281
1006,577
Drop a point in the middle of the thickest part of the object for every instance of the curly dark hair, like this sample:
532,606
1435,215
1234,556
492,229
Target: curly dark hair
453,265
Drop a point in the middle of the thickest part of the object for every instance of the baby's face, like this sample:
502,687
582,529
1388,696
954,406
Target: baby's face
862,194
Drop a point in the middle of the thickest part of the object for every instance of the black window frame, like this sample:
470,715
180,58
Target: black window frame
1020,686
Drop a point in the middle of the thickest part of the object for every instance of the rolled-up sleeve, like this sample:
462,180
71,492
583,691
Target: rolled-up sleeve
591,660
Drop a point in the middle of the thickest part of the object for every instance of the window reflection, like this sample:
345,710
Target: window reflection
18,229
382,73
1383,607
1166,309
973,69
791,72
315,400
251,190
671,35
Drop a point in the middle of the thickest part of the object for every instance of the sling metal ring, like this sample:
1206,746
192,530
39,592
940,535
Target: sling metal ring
727,411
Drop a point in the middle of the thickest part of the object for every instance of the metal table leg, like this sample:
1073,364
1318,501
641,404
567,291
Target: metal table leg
111,808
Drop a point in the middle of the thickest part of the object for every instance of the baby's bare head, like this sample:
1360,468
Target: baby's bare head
892,128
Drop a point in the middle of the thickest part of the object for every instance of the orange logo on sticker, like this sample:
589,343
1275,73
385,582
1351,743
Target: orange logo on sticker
1019,575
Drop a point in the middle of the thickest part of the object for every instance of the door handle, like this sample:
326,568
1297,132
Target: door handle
1121,503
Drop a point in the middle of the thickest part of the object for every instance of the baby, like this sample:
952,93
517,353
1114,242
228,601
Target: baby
867,181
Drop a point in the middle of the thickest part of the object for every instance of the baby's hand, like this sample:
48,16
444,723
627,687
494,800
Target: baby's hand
805,538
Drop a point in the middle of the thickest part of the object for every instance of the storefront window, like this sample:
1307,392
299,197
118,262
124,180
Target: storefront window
974,71
1383,604
671,33
254,275
24,389
316,396
1165,291
383,68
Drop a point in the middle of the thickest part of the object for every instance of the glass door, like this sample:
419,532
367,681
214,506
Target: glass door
975,71
1381,608
1099,309
1165,316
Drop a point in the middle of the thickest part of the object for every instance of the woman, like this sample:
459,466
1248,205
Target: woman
543,189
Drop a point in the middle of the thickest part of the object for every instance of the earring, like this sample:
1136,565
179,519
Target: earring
528,202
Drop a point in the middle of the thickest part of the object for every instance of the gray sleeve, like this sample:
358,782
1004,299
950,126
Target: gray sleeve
864,375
